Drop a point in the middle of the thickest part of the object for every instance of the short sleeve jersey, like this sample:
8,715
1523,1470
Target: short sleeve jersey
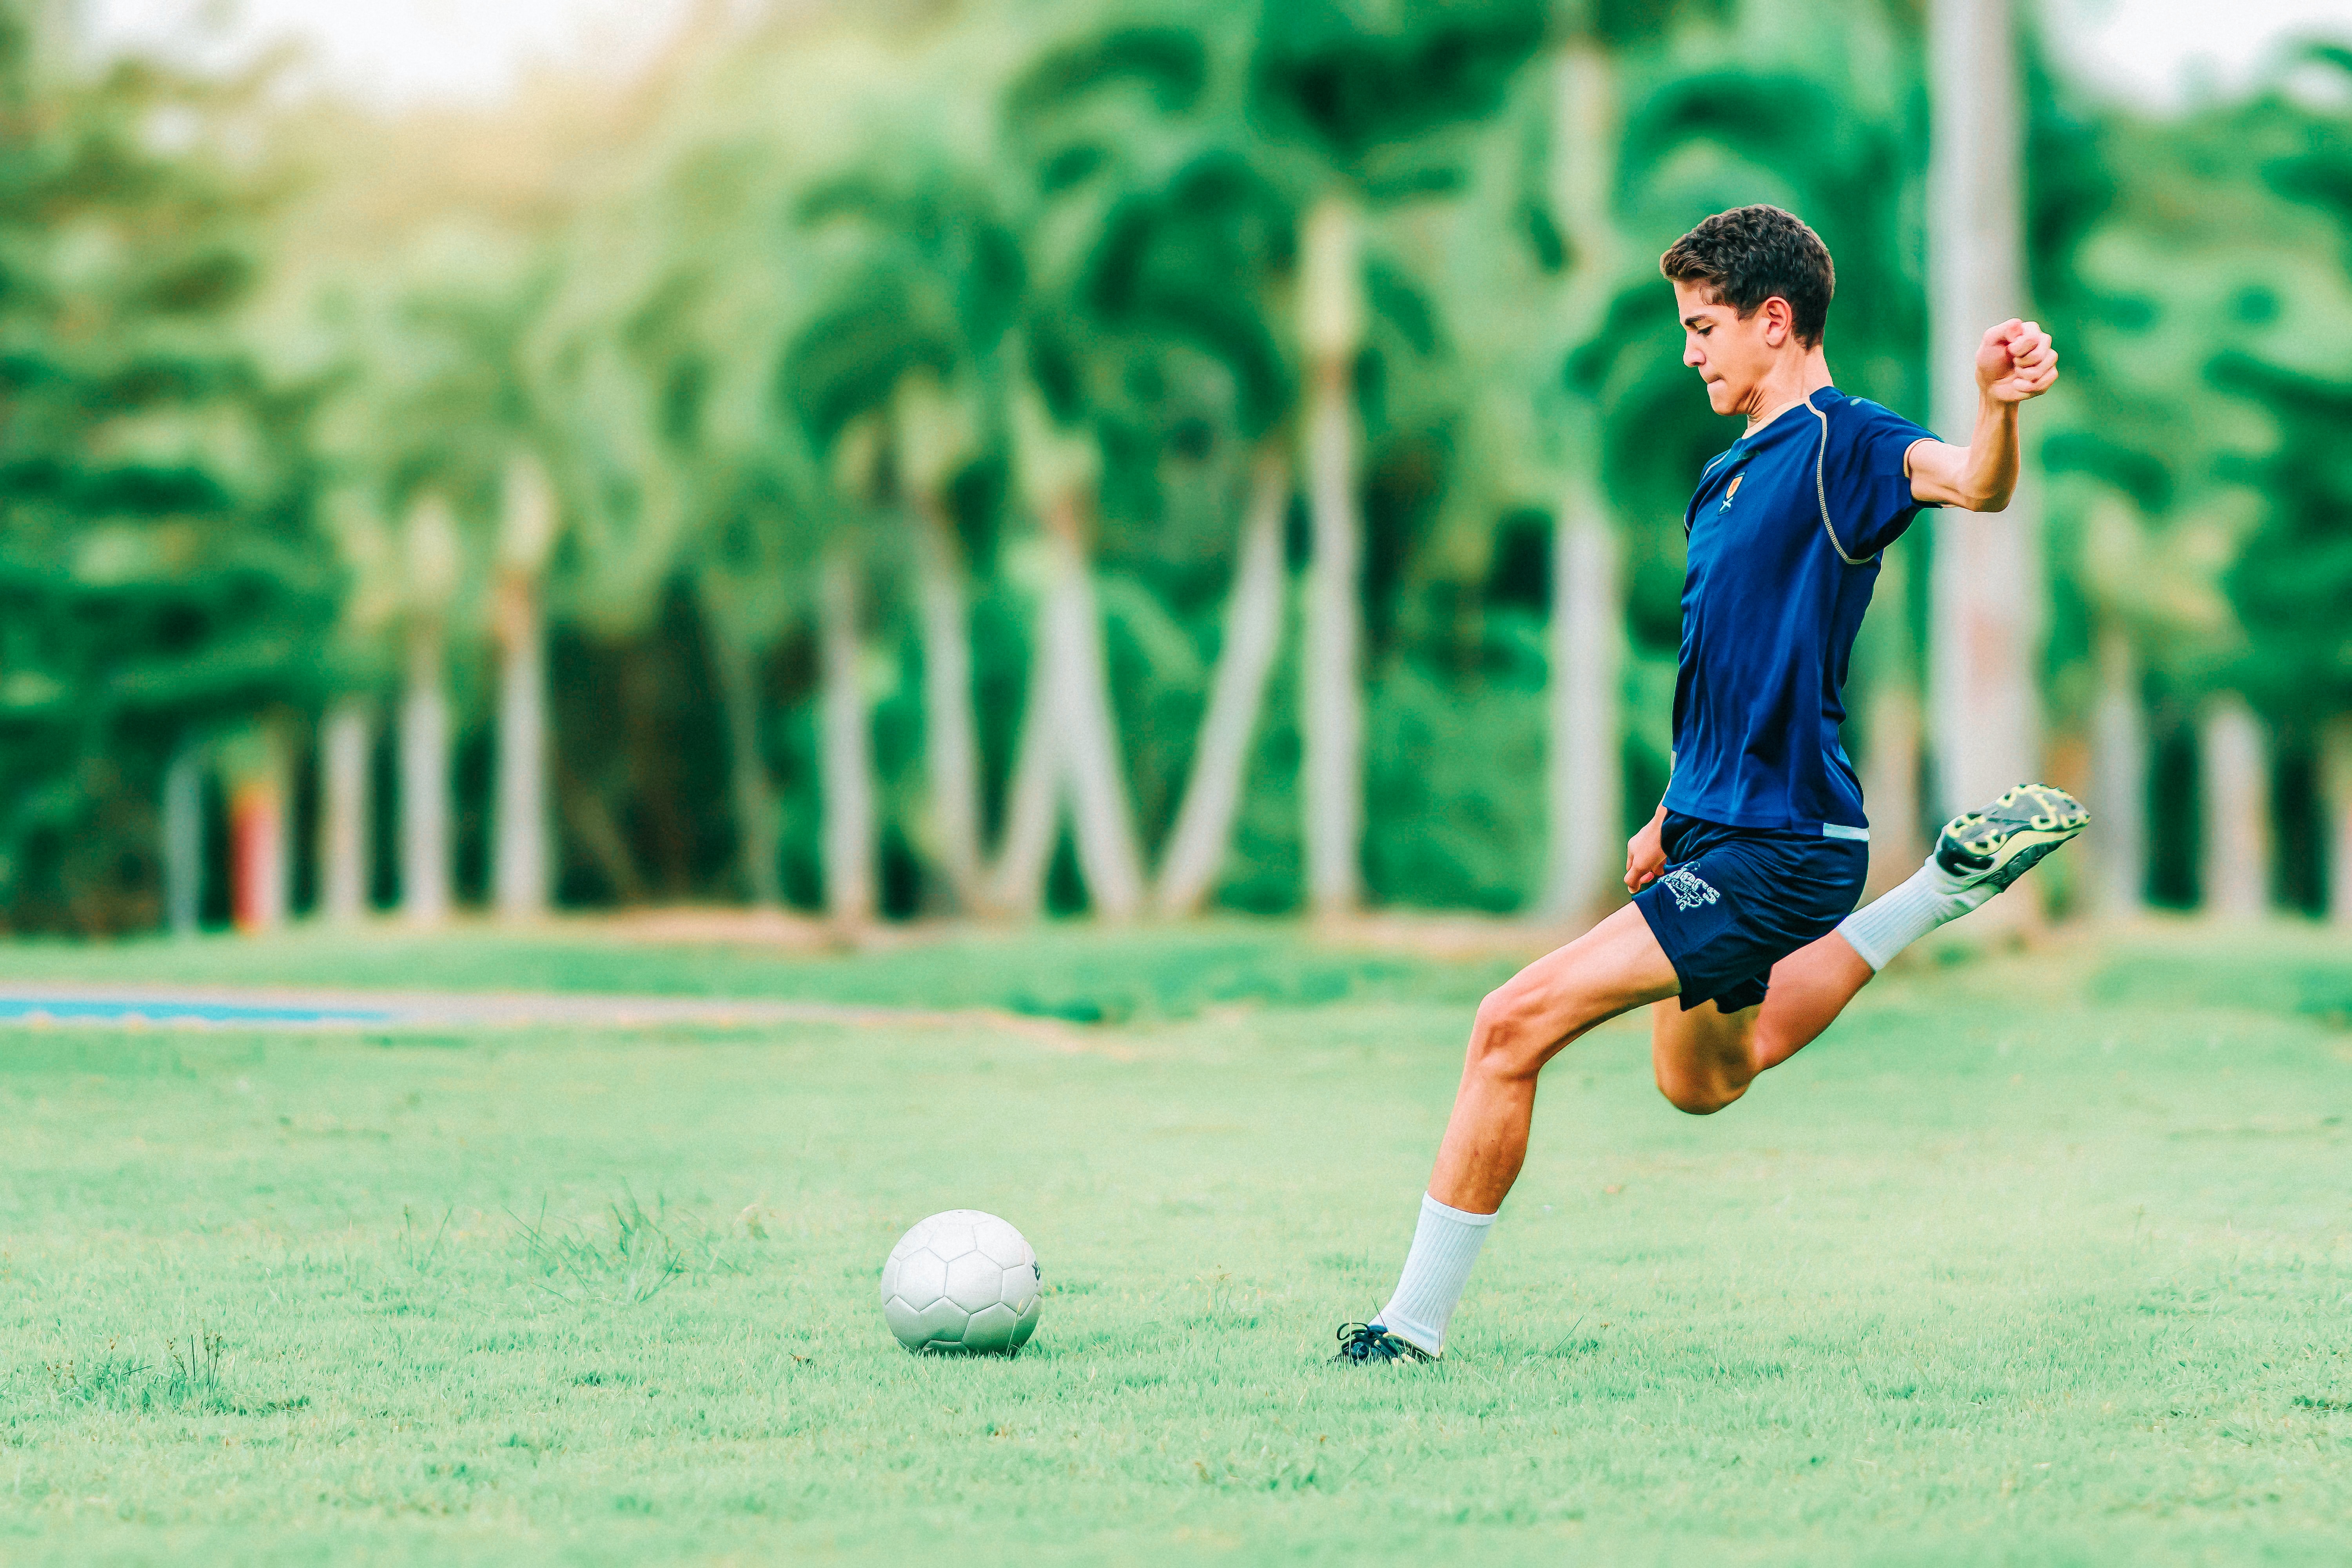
1770,606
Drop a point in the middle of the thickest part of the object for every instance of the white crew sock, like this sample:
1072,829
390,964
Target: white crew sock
1888,924
1445,1245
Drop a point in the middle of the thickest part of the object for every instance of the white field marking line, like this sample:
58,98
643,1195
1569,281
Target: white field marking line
409,1010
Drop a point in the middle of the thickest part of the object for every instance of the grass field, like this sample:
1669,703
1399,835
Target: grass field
2039,1260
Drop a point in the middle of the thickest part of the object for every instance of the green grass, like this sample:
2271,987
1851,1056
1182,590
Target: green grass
1072,972
2030,1260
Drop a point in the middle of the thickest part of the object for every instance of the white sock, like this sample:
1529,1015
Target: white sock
1445,1245
1888,924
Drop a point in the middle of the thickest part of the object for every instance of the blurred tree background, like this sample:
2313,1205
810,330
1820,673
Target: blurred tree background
1129,456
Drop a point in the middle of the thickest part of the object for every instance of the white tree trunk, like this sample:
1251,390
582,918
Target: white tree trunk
2236,790
183,841
424,783
951,748
1584,766
519,870
845,747
1101,816
1330,682
1583,170
1890,785
1069,737
1890,765
2118,845
2336,800
1586,763
1018,886
735,668
344,744
1204,822
1986,590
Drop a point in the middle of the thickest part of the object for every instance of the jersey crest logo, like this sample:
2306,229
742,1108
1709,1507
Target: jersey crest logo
1689,891
1732,492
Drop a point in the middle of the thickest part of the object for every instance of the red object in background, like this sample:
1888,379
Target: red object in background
257,828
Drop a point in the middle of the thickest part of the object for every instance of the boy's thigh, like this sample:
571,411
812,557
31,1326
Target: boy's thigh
1613,968
1702,1057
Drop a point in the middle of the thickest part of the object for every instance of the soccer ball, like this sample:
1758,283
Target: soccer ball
962,1282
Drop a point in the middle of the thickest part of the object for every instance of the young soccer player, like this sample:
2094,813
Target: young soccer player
1738,930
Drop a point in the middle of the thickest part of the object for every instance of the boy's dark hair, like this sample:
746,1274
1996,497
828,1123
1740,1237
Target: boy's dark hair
1750,254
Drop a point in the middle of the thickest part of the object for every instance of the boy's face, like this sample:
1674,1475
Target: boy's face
1731,353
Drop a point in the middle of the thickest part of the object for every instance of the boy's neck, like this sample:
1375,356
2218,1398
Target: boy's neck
1793,379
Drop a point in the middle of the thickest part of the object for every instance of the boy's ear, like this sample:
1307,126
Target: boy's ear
1779,321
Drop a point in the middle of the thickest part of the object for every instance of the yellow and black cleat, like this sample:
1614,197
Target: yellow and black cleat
1995,847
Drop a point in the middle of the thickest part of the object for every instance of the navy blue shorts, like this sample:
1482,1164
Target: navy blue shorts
1735,901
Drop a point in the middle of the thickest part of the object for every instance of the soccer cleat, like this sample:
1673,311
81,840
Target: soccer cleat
1995,847
1362,1342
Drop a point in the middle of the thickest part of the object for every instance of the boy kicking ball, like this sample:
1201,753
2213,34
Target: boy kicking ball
1739,932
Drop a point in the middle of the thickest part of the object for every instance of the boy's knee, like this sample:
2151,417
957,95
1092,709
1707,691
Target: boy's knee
1506,1038
1700,1097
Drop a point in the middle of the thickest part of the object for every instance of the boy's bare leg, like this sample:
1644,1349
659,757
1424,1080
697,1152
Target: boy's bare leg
1613,968
1706,1058
1809,988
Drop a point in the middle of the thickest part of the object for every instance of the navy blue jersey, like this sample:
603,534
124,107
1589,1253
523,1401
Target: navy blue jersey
1770,606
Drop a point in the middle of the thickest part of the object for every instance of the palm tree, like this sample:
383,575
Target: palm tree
161,579
371,606
2205,535
739,624
846,745
933,439
2159,611
2235,789
1585,780
1071,731
1364,115
914,278
527,530
1986,592
2119,777
740,312
1198,843
431,554
1331,328
1522,270
409,277
1155,264
346,747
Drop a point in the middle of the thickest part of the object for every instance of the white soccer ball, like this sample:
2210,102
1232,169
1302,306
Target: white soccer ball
962,1281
